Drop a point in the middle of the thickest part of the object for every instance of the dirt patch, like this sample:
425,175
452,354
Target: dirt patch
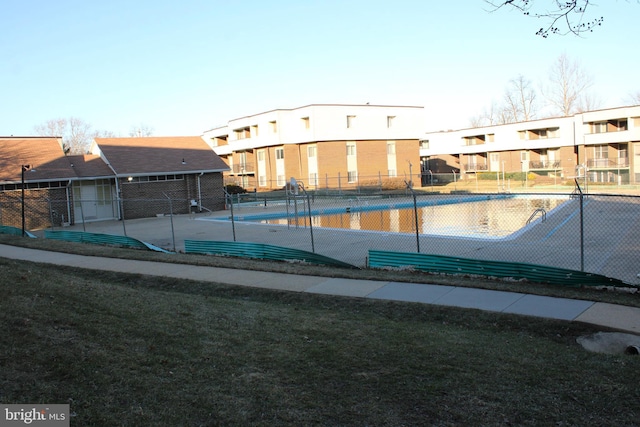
611,343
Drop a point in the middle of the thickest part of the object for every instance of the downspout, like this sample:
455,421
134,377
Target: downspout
199,192
300,161
115,174
575,143
68,205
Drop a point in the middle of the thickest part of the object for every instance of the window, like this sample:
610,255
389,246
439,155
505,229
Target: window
305,122
523,156
279,153
218,141
424,144
391,147
313,179
533,134
242,133
474,140
390,120
350,121
281,181
153,178
352,176
619,125
623,152
615,125
273,125
351,149
600,156
254,131
623,155
311,151
261,156
601,151
598,127
491,137
262,181
392,173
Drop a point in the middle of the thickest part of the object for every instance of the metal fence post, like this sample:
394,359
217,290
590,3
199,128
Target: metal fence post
84,228
415,214
581,201
121,203
50,213
173,234
301,186
233,222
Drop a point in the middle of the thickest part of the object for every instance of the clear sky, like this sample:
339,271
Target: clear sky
183,67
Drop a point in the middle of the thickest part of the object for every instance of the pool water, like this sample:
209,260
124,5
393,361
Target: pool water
485,219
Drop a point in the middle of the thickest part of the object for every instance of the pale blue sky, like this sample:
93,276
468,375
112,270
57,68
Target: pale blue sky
182,67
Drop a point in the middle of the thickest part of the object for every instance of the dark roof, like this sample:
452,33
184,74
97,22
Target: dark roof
90,166
43,154
128,156
159,155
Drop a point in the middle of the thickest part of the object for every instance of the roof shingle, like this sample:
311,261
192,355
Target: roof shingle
158,155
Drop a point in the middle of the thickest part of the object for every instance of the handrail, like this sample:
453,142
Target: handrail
538,211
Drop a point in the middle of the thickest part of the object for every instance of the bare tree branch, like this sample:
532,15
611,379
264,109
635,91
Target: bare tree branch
520,99
76,134
568,82
562,17
633,98
140,131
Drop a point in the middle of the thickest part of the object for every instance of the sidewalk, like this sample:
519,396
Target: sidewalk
622,318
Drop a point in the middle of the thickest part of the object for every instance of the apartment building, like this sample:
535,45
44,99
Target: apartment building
322,146
603,144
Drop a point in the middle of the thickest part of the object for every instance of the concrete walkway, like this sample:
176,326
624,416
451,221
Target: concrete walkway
607,315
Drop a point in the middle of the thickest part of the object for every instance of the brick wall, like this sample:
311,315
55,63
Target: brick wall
38,207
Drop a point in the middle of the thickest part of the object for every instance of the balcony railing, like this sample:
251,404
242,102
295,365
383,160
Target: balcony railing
608,163
474,167
243,168
544,164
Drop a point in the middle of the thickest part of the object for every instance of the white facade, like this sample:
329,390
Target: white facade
605,143
560,132
317,123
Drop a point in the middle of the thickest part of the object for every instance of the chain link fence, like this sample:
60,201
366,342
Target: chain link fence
452,180
512,221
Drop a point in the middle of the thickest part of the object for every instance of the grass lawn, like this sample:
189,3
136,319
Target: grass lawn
133,350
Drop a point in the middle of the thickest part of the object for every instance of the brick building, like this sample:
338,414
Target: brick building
122,178
322,146
602,146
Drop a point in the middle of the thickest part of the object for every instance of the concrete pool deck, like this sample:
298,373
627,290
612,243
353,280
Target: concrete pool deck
611,241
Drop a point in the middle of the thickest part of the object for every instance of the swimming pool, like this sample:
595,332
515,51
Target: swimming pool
491,217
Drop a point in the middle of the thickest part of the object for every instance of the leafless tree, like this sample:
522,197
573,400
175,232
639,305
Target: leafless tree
568,84
140,131
633,98
588,102
76,134
79,136
518,104
476,121
104,134
561,17
489,116
520,100
55,127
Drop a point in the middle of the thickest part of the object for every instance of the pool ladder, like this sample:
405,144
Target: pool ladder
541,211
